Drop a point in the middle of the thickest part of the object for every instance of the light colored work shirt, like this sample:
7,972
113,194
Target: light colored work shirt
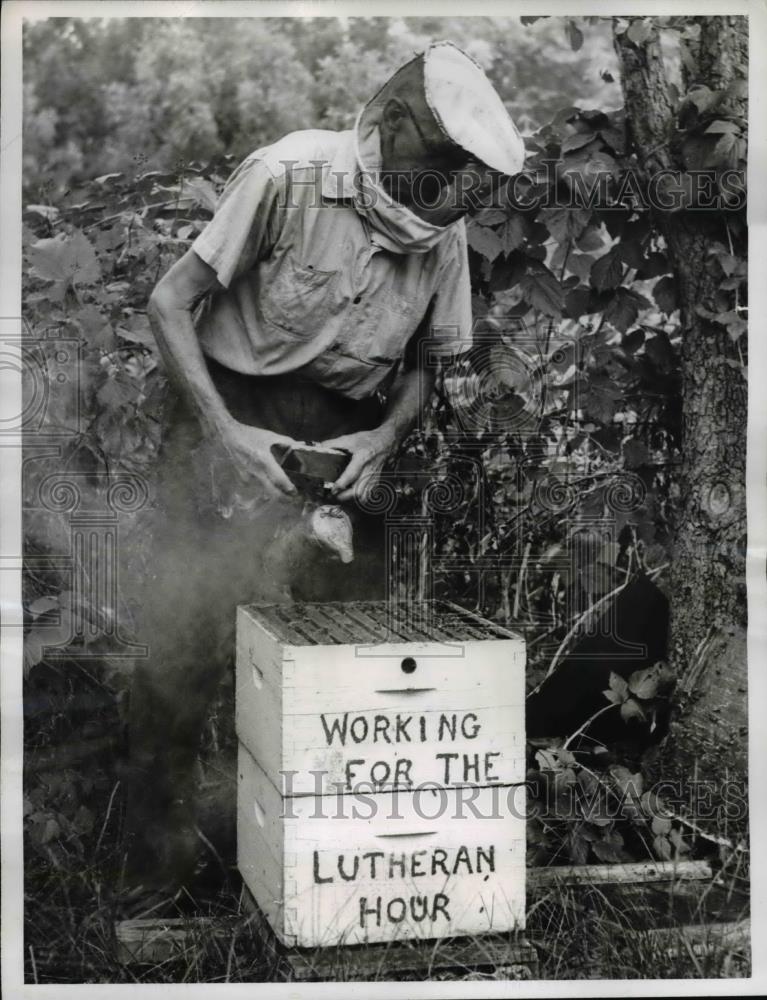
306,287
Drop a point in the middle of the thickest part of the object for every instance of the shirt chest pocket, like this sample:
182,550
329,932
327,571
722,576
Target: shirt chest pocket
298,298
378,332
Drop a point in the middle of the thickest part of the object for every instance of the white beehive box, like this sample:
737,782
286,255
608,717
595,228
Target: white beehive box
381,771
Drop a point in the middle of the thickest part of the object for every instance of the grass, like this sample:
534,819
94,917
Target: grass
610,932
592,932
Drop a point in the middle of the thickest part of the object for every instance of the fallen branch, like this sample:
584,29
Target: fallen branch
635,872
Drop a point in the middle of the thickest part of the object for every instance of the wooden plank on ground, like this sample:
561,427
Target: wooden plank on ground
638,872
150,940
504,956
700,939
672,904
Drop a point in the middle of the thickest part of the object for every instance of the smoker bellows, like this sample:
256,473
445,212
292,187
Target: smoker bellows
381,771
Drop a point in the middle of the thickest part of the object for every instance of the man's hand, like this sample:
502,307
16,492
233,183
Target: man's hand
369,451
249,450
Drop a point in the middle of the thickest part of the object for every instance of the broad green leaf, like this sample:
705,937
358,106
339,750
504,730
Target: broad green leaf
535,833
614,137
578,140
591,239
490,217
51,831
588,173
41,636
635,453
607,271
736,328
651,803
633,341
43,605
661,825
662,848
513,232
51,259
95,326
639,30
579,849
49,212
631,709
613,836
599,404
201,192
580,265
548,760
550,553
588,782
728,262
65,258
588,832
629,782
677,839
664,293
608,554
116,392
577,302
737,90
507,272
700,150
85,267
83,820
479,306
660,351
109,239
542,290
630,252
137,329
624,307
609,853
565,223
574,35
644,683
484,240
720,127
701,97
654,265
564,779
722,153
618,690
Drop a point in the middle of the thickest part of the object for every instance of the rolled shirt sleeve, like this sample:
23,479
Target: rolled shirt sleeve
450,330
246,223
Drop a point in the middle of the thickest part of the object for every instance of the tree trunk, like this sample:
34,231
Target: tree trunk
708,589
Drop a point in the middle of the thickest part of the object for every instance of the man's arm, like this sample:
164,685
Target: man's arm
370,449
170,312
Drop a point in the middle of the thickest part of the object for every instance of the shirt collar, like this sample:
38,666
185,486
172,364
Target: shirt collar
352,175
338,176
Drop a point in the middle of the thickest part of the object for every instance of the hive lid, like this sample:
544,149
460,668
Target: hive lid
370,622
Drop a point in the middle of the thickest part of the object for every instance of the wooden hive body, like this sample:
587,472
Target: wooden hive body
381,771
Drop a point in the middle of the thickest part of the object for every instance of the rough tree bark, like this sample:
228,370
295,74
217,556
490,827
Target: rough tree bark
708,589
